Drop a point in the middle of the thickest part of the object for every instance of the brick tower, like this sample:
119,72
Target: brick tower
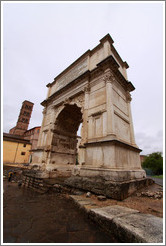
23,119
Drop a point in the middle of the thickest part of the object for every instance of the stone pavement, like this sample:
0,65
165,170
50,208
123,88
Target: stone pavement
30,217
127,225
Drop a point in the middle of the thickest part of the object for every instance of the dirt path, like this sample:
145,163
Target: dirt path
29,217
143,200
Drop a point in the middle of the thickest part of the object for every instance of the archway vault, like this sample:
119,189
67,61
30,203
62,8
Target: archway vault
64,139
69,119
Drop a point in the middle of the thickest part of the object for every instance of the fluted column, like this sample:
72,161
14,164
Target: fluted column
84,132
132,138
109,79
39,144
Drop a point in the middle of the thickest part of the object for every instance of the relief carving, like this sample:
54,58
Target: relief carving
87,89
67,101
60,142
109,77
79,101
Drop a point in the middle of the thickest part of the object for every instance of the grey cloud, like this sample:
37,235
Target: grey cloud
150,143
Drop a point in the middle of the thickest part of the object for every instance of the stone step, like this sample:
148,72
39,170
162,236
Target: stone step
129,225
125,224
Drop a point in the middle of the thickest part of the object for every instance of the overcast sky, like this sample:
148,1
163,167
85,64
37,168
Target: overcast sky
41,39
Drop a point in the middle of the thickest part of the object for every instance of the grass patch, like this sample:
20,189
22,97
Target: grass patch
159,177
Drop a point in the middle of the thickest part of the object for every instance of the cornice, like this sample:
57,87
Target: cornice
108,62
107,37
115,142
89,53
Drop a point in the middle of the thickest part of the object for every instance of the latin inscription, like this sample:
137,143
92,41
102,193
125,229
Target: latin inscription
72,74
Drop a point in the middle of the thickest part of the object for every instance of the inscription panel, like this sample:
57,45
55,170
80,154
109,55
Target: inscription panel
70,75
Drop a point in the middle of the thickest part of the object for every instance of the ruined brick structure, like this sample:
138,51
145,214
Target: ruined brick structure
33,135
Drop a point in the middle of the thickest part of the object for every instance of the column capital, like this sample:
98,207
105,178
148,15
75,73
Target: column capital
108,76
87,89
66,101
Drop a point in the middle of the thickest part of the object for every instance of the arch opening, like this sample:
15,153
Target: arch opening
69,119
65,140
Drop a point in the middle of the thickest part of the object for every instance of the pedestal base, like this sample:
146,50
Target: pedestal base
115,175
115,190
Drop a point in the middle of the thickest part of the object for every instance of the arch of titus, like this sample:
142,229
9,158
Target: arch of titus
95,91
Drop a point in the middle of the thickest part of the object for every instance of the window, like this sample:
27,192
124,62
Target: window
24,145
26,113
28,107
22,153
38,131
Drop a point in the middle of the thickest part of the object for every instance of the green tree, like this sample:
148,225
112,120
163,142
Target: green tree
154,162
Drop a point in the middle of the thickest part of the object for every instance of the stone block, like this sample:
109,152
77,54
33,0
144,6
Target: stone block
111,212
101,198
139,228
115,190
128,225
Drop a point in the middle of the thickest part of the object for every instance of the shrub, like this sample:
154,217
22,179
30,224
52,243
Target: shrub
154,162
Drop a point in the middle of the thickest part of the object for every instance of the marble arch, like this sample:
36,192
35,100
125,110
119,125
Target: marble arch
93,90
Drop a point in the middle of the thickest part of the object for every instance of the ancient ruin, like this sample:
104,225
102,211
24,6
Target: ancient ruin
95,91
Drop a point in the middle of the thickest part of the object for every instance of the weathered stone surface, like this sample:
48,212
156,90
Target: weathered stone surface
125,224
110,189
139,228
111,212
156,195
101,198
88,194
79,193
56,186
128,225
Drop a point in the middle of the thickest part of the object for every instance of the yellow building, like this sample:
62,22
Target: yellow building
15,149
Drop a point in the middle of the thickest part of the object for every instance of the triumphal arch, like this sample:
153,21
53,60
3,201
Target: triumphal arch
93,91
